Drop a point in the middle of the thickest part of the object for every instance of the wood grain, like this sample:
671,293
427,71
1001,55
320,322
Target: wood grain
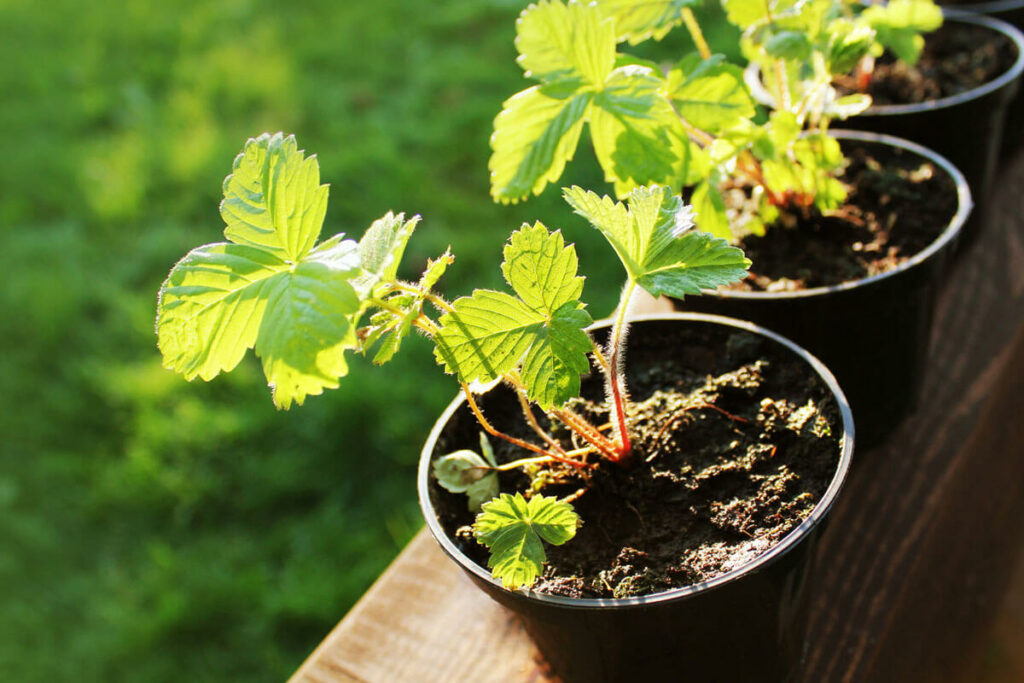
922,545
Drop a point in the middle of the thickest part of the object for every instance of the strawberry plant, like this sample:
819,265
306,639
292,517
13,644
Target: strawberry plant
304,305
692,126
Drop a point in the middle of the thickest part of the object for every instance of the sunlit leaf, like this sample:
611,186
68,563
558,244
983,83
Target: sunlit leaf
514,530
381,249
709,208
271,290
653,236
710,93
273,198
636,134
490,333
638,20
900,23
535,134
565,42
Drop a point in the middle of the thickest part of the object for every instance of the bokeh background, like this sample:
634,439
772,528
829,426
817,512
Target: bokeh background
156,530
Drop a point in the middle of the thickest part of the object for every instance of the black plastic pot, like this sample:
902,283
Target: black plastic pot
873,332
1012,12
746,625
967,128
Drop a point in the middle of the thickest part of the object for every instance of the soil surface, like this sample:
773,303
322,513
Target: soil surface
956,58
898,204
735,441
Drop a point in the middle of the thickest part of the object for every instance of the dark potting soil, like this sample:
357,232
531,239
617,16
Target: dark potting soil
735,441
956,58
898,204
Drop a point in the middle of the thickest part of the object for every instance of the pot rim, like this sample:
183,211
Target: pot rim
752,73
789,541
964,206
986,7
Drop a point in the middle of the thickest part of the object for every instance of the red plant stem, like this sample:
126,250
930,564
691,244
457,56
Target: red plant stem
557,452
616,382
494,432
587,433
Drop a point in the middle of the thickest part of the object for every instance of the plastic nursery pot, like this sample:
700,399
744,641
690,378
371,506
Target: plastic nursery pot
966,128
1012,12
873,332
746,625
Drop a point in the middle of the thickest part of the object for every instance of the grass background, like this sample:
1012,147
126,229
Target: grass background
155,530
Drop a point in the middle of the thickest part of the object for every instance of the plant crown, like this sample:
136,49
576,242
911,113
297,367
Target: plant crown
694,124
302,304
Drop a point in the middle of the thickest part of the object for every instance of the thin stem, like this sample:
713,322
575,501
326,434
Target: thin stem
698,36
558,453
583,429
599,355
522,463
471,402
782,85
426,294
616,382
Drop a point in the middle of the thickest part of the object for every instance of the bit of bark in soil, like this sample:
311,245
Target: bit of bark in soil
956,58
898,204
709,489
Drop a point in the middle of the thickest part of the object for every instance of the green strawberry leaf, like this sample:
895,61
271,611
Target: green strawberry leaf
381,249
273,198
899,23
748,13
514,529
535,134
709,207
270,289
652,236
637,136
558,42
490,333
466,472
435,269
638,20
710,93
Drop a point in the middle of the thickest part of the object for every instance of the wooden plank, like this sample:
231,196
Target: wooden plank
424,621
913,566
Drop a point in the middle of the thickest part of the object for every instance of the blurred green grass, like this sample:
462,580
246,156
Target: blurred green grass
155,530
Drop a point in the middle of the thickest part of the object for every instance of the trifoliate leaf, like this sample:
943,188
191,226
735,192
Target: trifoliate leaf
381,249
637,136
273,198
638,20
535,134
652,236
565,42
514,529
490,333
710,93
271,289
